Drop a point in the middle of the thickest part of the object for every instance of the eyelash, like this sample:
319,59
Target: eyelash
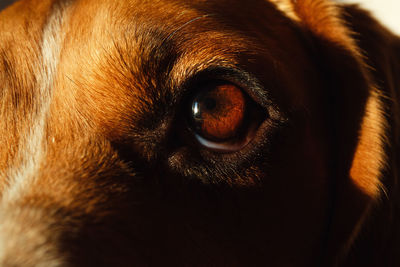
254,92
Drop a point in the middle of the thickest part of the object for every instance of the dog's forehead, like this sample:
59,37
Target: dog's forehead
130,55
104,65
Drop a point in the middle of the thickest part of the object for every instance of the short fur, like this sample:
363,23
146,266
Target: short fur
98,167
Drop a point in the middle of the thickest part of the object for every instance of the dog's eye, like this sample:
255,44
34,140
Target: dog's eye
220,115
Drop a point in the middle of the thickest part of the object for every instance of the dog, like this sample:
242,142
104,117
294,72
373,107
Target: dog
201,133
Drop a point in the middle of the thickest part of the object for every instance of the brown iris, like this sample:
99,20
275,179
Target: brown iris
218,112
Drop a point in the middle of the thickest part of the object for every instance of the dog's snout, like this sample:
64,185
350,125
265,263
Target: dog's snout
29,236
37,222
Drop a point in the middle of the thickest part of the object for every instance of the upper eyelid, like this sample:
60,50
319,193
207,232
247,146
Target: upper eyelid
236,76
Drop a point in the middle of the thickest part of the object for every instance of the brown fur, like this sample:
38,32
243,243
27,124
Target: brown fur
98,167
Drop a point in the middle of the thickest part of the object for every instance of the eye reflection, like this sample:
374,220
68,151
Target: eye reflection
196,109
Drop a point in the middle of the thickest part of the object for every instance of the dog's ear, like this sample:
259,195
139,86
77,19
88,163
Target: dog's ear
354,113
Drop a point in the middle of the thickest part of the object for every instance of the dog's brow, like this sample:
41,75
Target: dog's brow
187,23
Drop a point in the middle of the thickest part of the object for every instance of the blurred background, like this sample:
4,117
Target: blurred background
4,3
386,10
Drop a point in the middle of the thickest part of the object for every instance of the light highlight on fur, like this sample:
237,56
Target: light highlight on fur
30,157
370,156
33,151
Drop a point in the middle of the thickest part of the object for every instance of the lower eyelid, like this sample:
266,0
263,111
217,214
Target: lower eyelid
222,147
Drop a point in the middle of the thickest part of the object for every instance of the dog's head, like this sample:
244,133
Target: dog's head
176,133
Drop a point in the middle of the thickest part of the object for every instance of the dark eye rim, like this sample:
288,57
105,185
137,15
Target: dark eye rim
242,79
251,87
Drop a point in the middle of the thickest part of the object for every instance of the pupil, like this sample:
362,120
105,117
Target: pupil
210,103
